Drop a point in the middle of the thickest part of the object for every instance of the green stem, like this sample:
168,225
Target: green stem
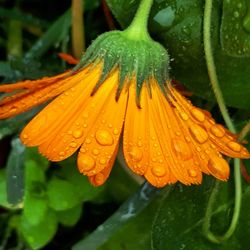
138,29
218,94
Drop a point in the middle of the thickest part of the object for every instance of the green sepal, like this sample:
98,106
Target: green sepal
142,59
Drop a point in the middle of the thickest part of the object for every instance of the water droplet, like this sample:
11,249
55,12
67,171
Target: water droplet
234,146
236,14
103,161
85,125
182,149
73,144
77,134
184,116
198,133
25,136
116,131
85,162
104,138
158,171
88,141
219,167
192,172
99,179
246,22
217,130
110,125
139,144
61,153
95,151
198,115
135,154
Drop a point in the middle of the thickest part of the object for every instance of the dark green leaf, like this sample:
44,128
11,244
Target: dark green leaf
178,223
5,69
15,173
129,210
69,217
3,189
53,35
40,234
62,195
235,29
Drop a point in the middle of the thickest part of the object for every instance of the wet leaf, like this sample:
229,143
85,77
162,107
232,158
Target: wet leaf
62,195
40,234
69,217
15,173
235,29
178,223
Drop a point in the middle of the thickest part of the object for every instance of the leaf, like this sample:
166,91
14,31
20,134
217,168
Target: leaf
81,184
3,189
39,235
177,25
69,217
128,210
178,223
53,35
15,173
91,4
5,69
33,155
62,195
235,28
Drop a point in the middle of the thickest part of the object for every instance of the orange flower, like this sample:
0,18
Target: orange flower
165,140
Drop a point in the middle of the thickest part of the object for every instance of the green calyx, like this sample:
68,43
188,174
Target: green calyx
143,59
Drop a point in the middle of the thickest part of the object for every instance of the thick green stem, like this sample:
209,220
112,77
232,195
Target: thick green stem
218,94
138,29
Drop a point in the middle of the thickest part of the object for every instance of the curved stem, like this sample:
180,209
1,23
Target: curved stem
138,29
218,94
244,131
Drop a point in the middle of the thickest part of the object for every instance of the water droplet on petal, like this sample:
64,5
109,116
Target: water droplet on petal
184,116
25,136
77,134
88,141
85,162
219,167
181,149
61,153
218,130
158,171
198,133
99,179
73,144
198,115
104,138
116,131
95,151
192,173
234,146
103,161
135,153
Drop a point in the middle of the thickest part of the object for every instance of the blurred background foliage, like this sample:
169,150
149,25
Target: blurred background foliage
46,205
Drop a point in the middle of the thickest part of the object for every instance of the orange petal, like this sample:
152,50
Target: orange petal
68,58
136,133
27,99
61,111
31,84
103,136
179,155
101,177
219,137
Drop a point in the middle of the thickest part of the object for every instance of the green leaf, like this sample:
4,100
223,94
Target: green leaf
81,184
177,24
15,173
178,223
3,189
33,173
55,34
91,4
235,29
62,195
40,234
33,155
69,217
5,69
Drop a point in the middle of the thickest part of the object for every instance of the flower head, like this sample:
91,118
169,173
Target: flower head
121,90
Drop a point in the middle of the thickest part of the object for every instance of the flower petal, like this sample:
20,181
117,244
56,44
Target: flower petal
179,155
219,137
62,111
34,95
101,143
